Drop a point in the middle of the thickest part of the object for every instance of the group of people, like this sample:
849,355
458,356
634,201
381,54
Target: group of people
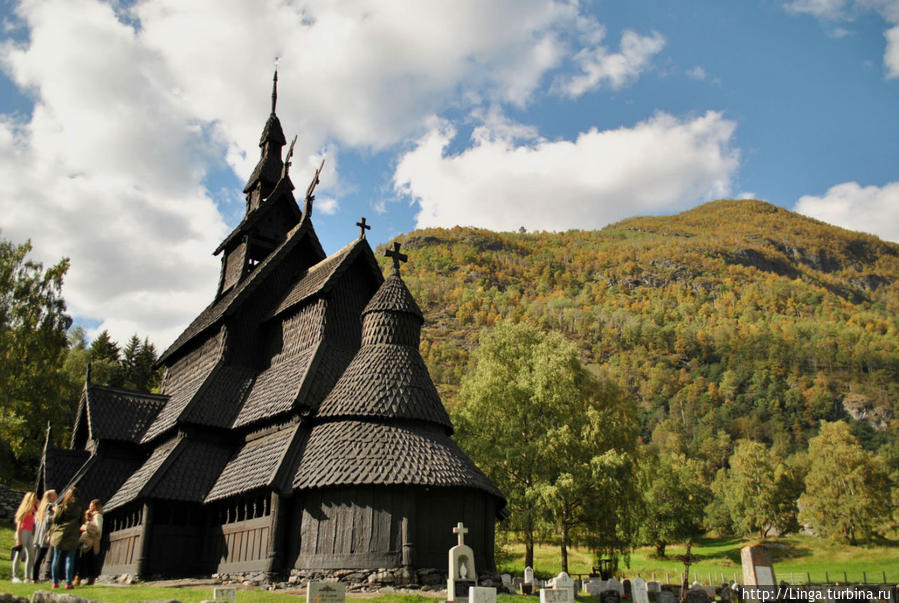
63,527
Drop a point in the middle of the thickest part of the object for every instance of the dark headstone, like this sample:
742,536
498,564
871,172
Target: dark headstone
665,596
610,596
627,588
698,595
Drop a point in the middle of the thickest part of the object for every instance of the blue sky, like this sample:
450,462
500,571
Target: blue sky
128,129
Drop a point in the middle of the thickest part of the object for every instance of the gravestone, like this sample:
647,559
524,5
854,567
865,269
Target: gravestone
462,575
726,593
757,567
594,586
481,594
228,595
506,580
665,596
653,586
613,584
552,595
639,591
698,594
626,585
610,596
326,592
528,586
564,582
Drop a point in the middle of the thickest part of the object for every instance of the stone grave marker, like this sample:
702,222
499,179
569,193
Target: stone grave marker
639,591
462,575
626,585
591,586
552,595
564,582
610,596
224,594
528,585
326,592
481,594
653,586
665,596
698,594
506,580
757,567
613,584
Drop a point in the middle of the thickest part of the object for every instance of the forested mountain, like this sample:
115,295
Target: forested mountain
734,320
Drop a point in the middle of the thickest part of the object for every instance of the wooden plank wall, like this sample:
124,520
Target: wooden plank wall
240,546
123,551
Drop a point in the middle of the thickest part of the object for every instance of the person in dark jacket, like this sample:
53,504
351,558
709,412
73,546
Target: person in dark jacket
64,536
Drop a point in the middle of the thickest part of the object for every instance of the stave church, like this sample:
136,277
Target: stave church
297,428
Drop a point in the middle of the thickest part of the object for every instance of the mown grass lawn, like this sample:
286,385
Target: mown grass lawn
794,557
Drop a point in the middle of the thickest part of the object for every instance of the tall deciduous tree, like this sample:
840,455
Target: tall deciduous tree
847,488
674,499
33,326
537,422
759,490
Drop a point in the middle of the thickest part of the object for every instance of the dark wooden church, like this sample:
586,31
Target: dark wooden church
298,425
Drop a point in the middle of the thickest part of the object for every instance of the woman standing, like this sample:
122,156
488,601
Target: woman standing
43,519
64,537
91,533
25,536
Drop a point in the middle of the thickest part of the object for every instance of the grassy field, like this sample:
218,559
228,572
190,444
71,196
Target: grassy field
795,558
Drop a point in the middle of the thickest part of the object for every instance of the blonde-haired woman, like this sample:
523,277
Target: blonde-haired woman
43,519
25,536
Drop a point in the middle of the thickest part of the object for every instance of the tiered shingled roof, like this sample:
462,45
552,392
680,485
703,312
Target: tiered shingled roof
102,475
181,469
115,414
260,462
384,423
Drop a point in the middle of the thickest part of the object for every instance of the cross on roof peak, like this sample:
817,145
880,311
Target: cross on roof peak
362,227
275,85
396,256
461,531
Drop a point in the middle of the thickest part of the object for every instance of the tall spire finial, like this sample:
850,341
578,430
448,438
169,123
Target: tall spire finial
87,376
275,85
396,256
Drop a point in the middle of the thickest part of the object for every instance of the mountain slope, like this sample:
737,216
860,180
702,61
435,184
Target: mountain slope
734,319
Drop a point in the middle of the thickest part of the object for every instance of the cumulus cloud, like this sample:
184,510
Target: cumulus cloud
133,108
499,182
108,171
598,66
826,9
697,73
868,209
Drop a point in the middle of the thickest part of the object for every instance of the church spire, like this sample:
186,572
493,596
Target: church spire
268,171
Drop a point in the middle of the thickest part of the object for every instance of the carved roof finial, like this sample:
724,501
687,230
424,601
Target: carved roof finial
287,163
396,256
307,210
87,376
362,227
275,85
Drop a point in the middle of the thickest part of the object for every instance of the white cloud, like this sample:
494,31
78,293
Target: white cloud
599,67
825,9
134,105
108,172
891,56
868,209
834,10
662,164
697,73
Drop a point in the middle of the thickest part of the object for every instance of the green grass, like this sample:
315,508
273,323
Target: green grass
796,557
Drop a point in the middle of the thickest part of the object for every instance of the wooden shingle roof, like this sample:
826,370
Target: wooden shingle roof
101,476
228,303
357,453
386,381
180,469
393,296
117,414
58,467
257,464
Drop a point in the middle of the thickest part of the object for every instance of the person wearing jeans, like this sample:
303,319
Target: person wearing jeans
64,537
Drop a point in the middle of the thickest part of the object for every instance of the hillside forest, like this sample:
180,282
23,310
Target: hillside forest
730,369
